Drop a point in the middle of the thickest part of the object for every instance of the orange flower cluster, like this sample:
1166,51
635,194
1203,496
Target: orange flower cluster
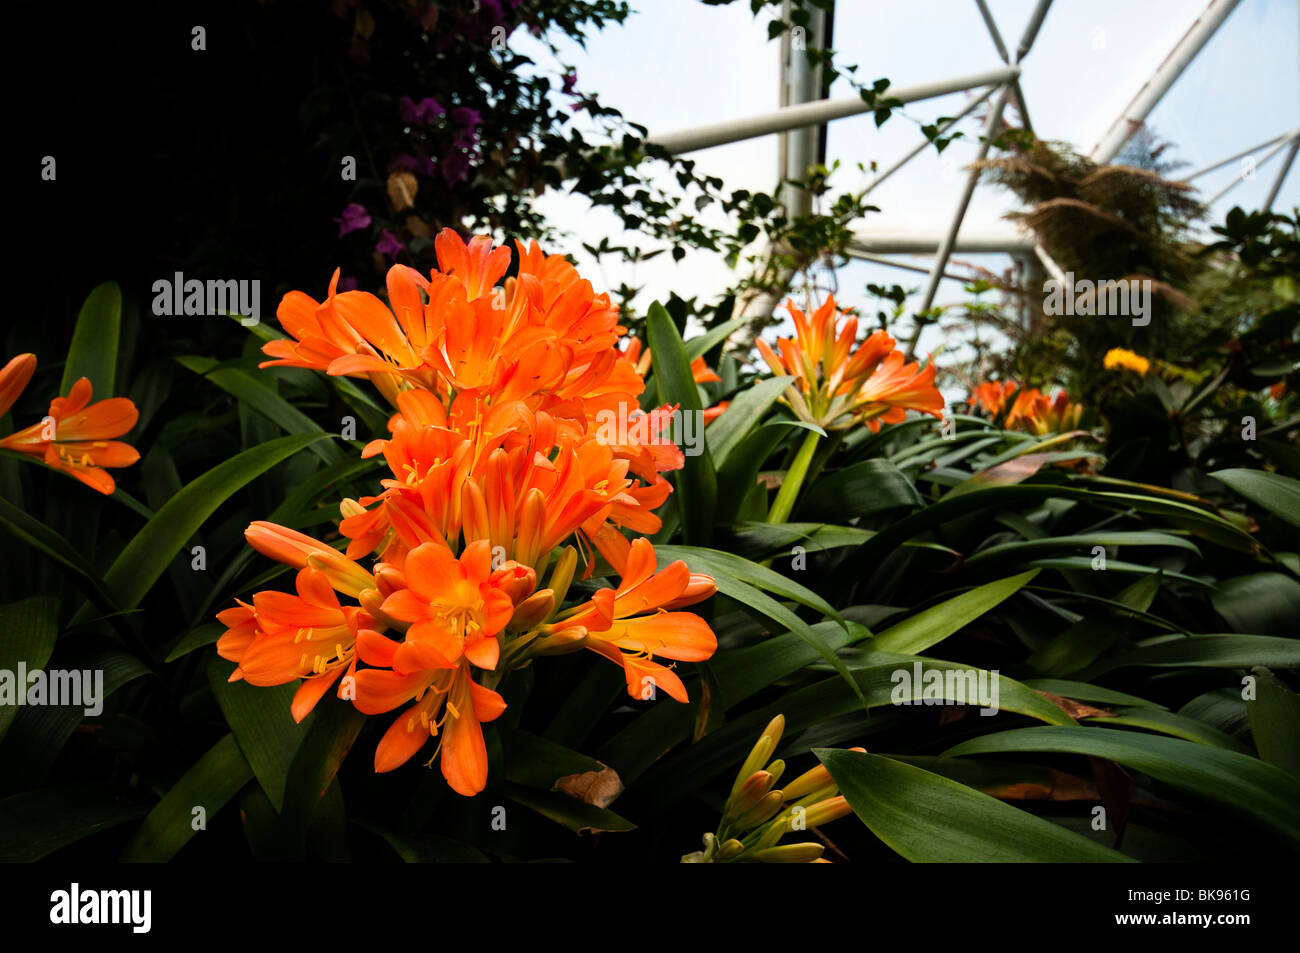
1030,410
838,382
499,475
76,435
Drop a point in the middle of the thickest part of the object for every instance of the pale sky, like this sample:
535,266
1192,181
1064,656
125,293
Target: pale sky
679,63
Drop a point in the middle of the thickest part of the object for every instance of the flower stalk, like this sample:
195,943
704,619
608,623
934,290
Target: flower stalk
793,479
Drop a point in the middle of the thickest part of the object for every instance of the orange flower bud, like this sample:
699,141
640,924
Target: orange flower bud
761,812
298,550
762,749
789,854
826,811
756,786
560,643
14,378
533,611
700,587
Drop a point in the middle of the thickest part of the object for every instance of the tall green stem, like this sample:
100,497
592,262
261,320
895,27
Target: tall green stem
794,477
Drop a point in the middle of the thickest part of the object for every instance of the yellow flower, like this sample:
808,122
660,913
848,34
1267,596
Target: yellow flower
1118,357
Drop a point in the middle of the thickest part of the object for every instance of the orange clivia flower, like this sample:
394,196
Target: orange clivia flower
318,333
1030,409
450,692
895,388
613,624
76,435
501,467
456,608
839,382
282,637
1030,405
992,396
702,373
1057,415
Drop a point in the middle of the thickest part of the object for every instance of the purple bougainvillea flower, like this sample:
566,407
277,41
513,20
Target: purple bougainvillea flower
355,217
455,166
570,78
388,245
405,162
426,110
464,148
459,158
488,18
471,119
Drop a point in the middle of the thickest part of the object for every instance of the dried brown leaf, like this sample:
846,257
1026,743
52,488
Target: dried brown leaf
402,187
1076,709
597,788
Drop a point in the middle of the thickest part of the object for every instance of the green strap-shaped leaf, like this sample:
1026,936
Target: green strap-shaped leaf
748,572
214,780
925,451
744,581
697,346
147,556
1127,604
1168,723
885,684
1278,494
1084,640
263,398
767,539
93,352
196,638
740,673
742,417
297,510
335,727
1262,603
928,818
1023,549
757,539
697,483
818,706
871,486
938,622
260,720
27,632
736,480
1085,564
1275,721
34,824
425,848
537,762
1204,651
1198,520
1239,783
22,526
1084,692
572,813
